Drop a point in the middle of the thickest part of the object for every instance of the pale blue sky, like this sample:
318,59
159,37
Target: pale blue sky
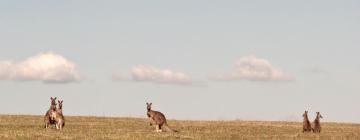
316,42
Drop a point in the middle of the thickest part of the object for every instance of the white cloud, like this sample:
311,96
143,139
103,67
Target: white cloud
152,74
254,69
47,67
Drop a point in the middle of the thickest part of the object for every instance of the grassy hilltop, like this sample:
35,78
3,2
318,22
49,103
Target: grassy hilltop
31,127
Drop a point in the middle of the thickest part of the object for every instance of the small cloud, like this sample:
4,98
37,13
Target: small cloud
46,67
148,73
252,68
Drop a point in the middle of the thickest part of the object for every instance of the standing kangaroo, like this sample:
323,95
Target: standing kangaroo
306,123
47,118
317,127
157,118
58,117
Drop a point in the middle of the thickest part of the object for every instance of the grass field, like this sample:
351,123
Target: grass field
31,127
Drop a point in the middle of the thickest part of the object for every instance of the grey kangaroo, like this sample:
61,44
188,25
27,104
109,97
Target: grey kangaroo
317,127
48,120
58,117
158,119
306,123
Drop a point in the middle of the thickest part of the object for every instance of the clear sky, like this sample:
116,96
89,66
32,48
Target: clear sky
251,60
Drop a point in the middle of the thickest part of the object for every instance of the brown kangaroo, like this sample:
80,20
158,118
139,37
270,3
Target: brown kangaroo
58,117
47,118
317,127
157,118
306,123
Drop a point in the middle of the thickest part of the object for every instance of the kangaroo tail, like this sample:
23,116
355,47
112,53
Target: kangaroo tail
169,128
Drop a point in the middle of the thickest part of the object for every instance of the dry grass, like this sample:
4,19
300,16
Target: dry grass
31,127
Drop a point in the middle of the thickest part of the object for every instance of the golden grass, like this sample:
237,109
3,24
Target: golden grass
31,127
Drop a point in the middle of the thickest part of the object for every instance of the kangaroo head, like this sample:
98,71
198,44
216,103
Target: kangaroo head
53,100
53,103
60,104
305,114
318,115
148,106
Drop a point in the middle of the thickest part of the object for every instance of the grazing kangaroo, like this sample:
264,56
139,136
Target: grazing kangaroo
58,117
306,123
317,127
157,118
47,118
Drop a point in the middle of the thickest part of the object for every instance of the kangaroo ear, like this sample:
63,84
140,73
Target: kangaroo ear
150,104
62,101
51,98
55,98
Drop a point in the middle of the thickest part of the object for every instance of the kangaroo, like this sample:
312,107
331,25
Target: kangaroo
47,118
306,123
58,117
317,127
157,118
